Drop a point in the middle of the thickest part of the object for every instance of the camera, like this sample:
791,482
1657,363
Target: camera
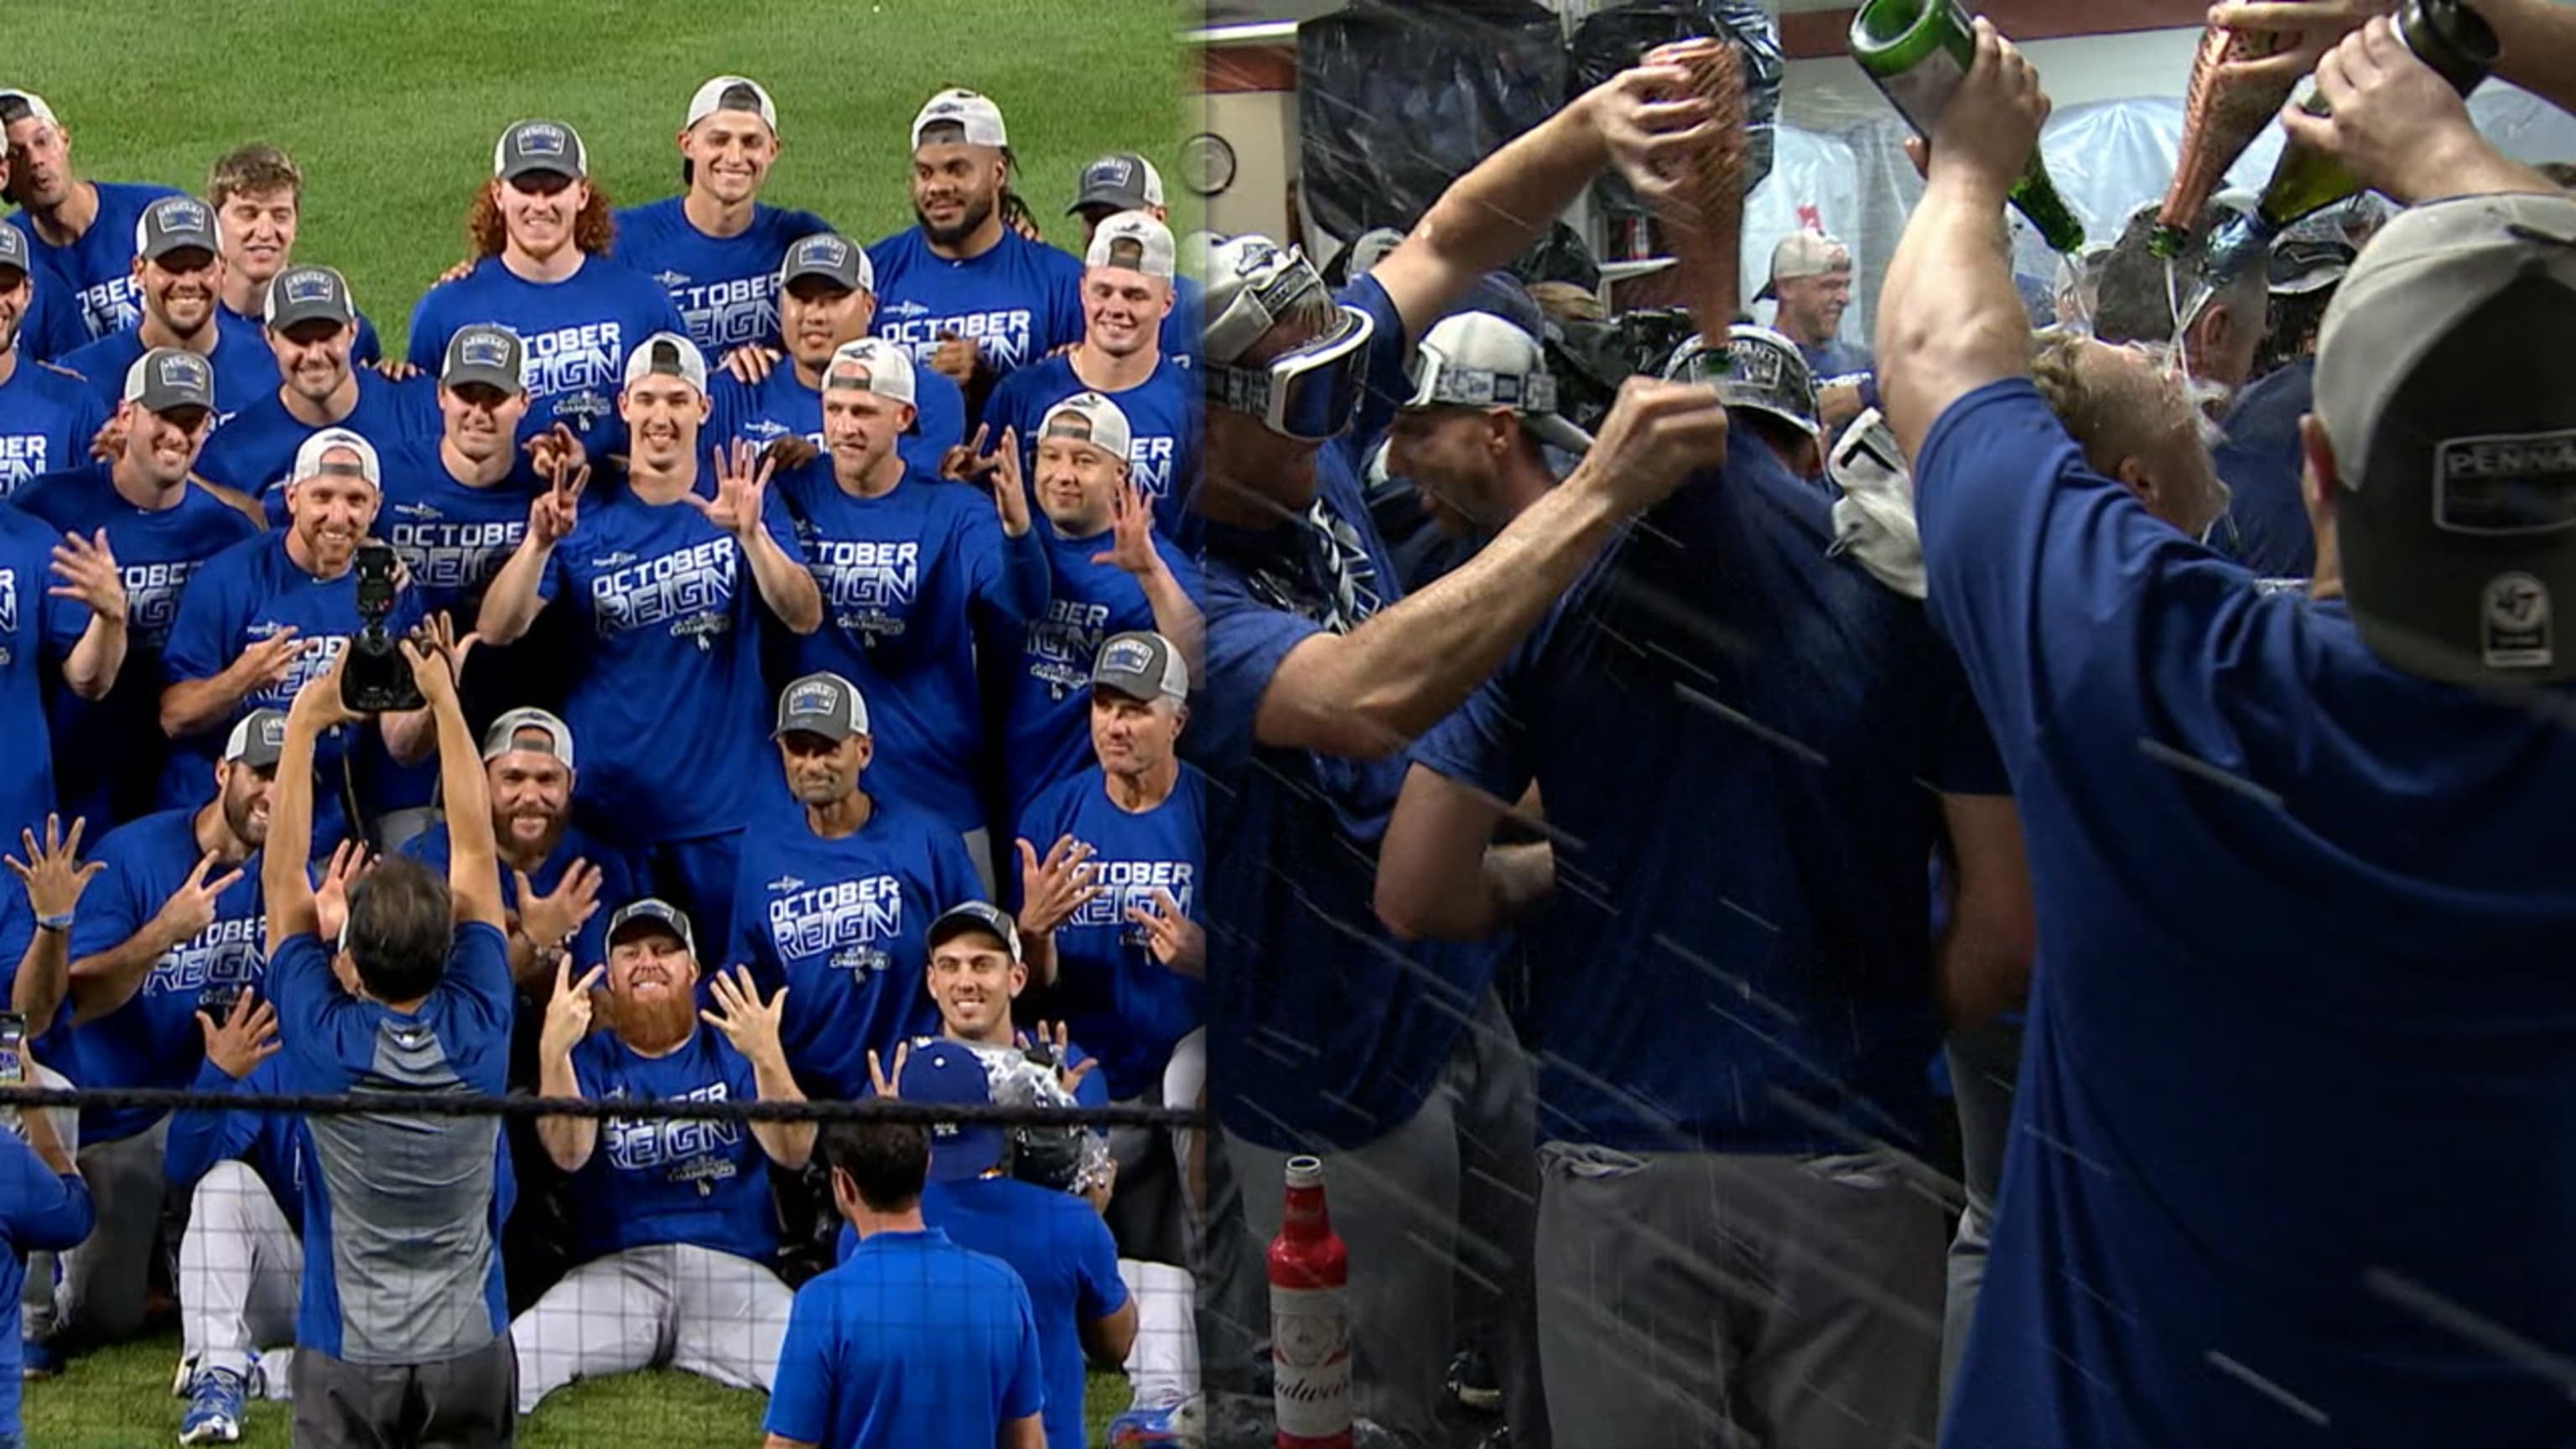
377,679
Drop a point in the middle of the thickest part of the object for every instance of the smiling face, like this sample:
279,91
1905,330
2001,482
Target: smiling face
330,512
481,420
259,232
531,797
973,981
859,428
663,415
1123,310
163,446
180,288
652,988
955,186
313,356
729,155
816,317
538,211
17,293
244,790
1077,484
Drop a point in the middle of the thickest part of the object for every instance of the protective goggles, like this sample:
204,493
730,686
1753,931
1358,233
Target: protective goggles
1310,394
1439,382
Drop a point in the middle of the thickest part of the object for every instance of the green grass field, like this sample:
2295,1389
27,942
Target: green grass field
392,109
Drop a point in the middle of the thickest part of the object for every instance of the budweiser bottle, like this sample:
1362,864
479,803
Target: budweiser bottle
1310,1348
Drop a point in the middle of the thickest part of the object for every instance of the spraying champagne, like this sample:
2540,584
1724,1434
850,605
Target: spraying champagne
1917,52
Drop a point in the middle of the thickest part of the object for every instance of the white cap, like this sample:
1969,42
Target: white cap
1133,241
1090,418
309,464
503,736
883,368
670,355
981,118
711,99
34,103
1479,360
1803,254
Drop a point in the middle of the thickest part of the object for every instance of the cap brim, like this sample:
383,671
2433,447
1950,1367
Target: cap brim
509,382
1114,200
205,244
258,759
1557,432
789,279
629,929
541,168
976,1151
829,729
1769,293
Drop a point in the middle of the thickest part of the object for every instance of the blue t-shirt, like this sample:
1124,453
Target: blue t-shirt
52,324
616,882
845,925
97,269
1066,1260
1046,720
906,577
245,370
782,406
1297,952
576,331
452,536
1793,708
657,1180
269,1143
1162,419
47,418
254,451
1837,362
2262,464
152,1040
667,698
36,632
726,288
1184,328
913,1341
241,597
1126,1006
110,754
39,1212
1018,301
2336,942
419,1199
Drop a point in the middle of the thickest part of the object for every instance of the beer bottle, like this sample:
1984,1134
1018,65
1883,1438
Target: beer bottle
1917,52
1310,1350
2444,34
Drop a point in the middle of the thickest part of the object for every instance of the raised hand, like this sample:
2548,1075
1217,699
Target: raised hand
550,920
108,443
1131,532
1055,1045
1651,124
319,699
1171,937
556,451
2311,27
742,485
2397,126
52,874
568,1013
552,514
954,358
1051,890
191,908
883,1078
88,572
247,1036
1010,495
1657,434
456,273
749,1023
349,860
435,659
1992,123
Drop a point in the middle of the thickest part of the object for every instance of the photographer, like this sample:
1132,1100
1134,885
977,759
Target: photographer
266,616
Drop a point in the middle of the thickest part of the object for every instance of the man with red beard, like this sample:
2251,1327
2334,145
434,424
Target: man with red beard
674,1217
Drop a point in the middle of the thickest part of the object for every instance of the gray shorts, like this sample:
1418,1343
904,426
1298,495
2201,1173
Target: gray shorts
470,1401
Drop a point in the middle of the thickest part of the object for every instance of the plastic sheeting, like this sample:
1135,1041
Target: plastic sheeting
1614,40
1397,100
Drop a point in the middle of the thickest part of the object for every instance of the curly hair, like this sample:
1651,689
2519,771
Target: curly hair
486,233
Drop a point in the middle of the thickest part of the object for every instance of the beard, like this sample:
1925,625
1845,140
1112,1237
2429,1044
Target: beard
975,214
238,819
655,1025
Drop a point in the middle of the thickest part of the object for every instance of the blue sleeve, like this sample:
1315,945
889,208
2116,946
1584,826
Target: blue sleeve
2065,599
479,968
1012,579
1098,1290
369,348
941,418
1484,743
1185,572
40,1211
428,344
952,871
1388,347
202,632
800,1395
1246,641
301,987
1024,1387
201,1138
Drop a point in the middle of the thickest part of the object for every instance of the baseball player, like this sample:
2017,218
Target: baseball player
174,921
109,756
1078,1302
1126,296
670,668
908,568
82,231
260,618
1125,181
964,294
44,1208
456,497
826,300
716,247
48,324
1769,393
835,901
47,416
257,192
979,963
674,1217
1479,438
541,233
1111,572
179,271
913,1339
311,330
1811,277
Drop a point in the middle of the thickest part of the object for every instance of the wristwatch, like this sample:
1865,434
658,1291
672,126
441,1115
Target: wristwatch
62,922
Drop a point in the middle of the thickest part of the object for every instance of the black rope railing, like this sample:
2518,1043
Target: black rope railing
456,1104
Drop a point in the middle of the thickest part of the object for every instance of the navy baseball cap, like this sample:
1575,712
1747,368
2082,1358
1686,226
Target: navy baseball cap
947,1073
1120,181
833,257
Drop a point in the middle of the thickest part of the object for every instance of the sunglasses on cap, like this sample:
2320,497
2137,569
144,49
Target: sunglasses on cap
1438,382
1310,394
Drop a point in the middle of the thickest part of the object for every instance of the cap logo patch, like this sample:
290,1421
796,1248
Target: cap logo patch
310,287
1754,365
181,214
1128,656
2506,484
183,371
814,699
483,349
541,140
831,251
272,732
2514,631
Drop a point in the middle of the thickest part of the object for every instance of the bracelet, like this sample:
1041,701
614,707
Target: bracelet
62,922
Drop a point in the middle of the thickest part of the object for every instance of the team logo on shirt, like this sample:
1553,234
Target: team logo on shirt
692,1152
1002,336
225,954
586,359
444,555
152,597
671,280
110,307
868,586
1062,645
1130,885
729,313
22,456
8,613
845,922
906,309
583,409
688,591
1150,459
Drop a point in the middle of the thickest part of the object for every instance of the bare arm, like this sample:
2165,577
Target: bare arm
568,1140
194,706
90,669
283,882
1028,1433
780,1441
1105,1341
473,855
511,604
2538,38
1440,877
789,1144
42,980
785,584
1981,964
99,984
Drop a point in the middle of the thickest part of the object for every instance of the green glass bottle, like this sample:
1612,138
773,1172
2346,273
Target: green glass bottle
1917,52
2446,35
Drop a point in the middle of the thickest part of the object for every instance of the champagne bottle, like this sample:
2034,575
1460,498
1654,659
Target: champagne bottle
2220,118
1917,52
2445,34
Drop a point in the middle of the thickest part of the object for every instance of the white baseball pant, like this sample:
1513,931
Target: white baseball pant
240,1270
713,1314
1163,1367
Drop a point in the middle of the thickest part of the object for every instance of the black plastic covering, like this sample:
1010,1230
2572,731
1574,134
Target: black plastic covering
1611,41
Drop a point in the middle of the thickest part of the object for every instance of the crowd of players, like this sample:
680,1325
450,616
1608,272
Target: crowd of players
803,635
